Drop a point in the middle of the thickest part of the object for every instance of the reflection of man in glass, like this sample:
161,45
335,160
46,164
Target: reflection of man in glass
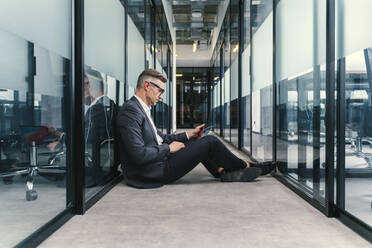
100,114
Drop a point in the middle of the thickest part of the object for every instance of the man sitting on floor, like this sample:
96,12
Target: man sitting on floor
151,159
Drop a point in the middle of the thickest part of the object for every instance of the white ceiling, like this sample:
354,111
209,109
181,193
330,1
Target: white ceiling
186,58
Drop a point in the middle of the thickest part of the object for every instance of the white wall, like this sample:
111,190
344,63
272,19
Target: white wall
234,79
301,32
246,84
104,36
136,56
262,55
353,20
44,22
13,62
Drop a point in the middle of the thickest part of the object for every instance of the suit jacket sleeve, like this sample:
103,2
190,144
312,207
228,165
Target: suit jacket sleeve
130,126
169,138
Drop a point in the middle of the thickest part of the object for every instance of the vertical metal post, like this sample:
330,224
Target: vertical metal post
67,115
77,121
316,105
241,49
117,92
126,83
251,77
169,72
31,83
301,130
340,172
274,84
330,102
222,72
209,97
316,132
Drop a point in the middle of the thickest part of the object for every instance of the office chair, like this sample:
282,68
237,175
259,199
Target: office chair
101,163
14,167
360,138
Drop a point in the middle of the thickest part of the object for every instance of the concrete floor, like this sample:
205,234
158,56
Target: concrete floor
199,211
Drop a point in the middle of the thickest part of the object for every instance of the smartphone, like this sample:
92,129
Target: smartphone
206,130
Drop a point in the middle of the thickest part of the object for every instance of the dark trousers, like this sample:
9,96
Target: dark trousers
209,150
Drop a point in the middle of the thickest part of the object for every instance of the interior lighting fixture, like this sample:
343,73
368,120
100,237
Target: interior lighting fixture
179,75
236,48
196,14
194,46
216,78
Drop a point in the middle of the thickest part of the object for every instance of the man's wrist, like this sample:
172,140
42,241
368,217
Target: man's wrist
190,135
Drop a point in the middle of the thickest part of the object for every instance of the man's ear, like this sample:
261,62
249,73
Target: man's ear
146,85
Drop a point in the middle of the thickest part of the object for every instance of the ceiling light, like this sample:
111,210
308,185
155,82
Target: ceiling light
196,14
179,75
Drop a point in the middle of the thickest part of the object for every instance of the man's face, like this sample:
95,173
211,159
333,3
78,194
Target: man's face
86,87
155,89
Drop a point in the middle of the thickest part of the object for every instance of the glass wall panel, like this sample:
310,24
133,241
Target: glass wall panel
246,77
104,58
301,92
149,34
136,56
234,51
226,77
217,92
35,54
354,54
262,69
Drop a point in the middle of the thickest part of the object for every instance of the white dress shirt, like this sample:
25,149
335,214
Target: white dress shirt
147,110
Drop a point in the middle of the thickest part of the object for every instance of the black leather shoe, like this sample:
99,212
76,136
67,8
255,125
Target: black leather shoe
266,167
242,175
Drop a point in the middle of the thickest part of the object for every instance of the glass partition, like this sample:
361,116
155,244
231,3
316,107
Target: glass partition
226,77
301,93
136,56
234,68
262,76
35,61
104,59
354,57
246,78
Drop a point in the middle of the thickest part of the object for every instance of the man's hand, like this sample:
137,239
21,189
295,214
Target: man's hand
176,146
196,133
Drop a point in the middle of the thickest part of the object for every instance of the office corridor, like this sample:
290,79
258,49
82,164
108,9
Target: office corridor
199,211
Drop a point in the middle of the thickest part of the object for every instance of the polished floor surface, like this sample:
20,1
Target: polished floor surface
199,211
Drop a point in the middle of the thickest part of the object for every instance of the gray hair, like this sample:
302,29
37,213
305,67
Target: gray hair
96,81
150,73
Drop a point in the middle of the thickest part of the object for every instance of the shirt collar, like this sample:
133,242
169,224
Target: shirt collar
144,105
95,101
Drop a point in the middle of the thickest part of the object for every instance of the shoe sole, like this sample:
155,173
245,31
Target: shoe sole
244,175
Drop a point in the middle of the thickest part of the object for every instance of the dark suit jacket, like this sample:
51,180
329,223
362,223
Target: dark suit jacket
142,159
100,126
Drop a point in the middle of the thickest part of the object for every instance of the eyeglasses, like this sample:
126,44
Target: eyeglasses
161,91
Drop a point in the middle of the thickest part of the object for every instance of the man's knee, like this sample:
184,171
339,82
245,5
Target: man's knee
211,138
